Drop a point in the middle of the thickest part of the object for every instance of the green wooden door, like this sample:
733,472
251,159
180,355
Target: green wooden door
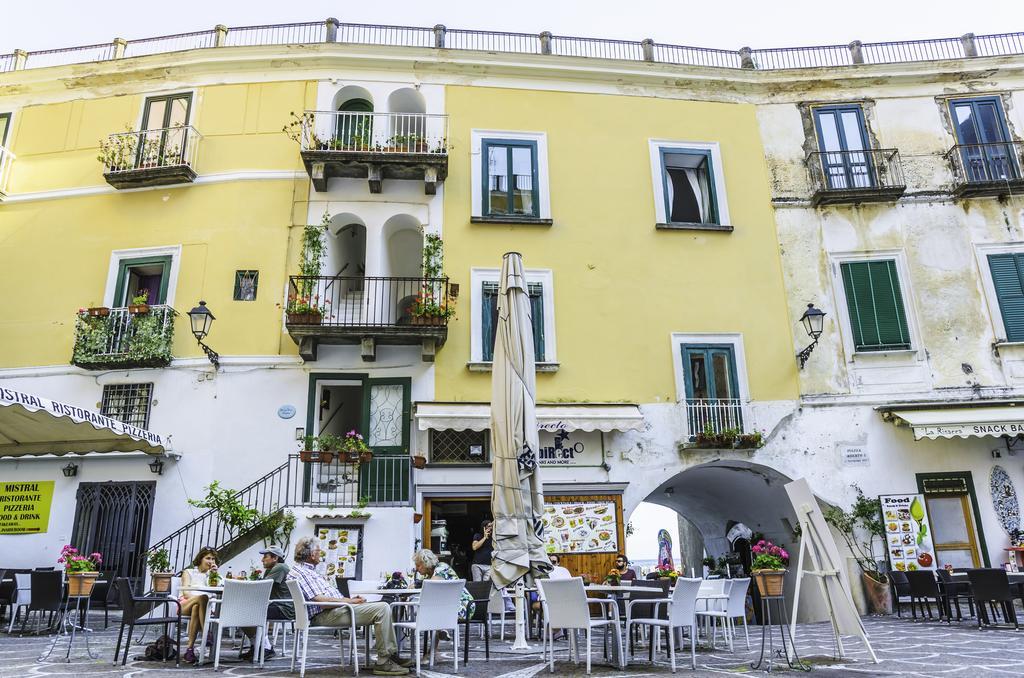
386,421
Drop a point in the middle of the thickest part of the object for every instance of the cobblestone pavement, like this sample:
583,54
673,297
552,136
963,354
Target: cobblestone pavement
904,647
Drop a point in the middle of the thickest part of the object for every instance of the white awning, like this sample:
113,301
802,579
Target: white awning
997,420
33,425
568,417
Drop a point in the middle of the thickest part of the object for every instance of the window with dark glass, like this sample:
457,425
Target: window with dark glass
246,283
712,388
145,277
875,303
458,447
689,187
164,135
128,403
984,139
510,178
490,319
843,140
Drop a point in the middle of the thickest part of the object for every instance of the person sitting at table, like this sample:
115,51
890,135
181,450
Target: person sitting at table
557,572
626,573
274,568
319,589
193,603
428,565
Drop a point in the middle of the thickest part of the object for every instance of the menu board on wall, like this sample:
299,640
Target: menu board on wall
581,527
341,551
908,534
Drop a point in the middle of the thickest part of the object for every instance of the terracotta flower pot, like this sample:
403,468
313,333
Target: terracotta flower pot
769,582
352,457
326,457
306,456
427,320
305,318
878,595
99,311
366,457
419,461
81,583
138,309
162,582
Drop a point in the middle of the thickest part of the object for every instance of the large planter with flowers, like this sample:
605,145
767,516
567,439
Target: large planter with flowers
82,571
769,567
352,447
160,570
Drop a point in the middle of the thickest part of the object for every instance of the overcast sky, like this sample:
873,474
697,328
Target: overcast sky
47,24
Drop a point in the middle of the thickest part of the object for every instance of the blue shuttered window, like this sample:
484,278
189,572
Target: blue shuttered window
1008,279
489,319
875,303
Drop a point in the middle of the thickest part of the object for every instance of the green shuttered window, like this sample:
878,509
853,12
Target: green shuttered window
875,303
490,319
1008,279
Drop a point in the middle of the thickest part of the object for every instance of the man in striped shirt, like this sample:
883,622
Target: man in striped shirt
318,589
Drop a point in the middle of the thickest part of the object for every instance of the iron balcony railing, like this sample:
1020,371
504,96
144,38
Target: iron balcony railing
544,43
986,163
352,132
151,149
368,302
839,171
123,338
713,416
6,160
384,481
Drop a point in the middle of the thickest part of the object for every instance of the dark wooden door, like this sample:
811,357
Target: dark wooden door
114,520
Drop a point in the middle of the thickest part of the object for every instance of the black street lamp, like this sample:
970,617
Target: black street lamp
157,466
202,321
70,471
813,321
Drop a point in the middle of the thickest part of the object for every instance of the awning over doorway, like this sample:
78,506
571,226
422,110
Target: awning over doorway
980,420
33,425
558,417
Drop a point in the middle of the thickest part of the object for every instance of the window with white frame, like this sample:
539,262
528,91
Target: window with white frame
509,173
485,311
874,301
150,272
689,185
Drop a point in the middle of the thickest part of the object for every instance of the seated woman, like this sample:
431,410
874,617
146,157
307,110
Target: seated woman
193,603
428,565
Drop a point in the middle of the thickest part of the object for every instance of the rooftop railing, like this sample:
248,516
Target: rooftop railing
440,37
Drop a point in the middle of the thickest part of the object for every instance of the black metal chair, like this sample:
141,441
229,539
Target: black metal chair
47,595
923,590
954,592
134,607
991,585
900,588
481,592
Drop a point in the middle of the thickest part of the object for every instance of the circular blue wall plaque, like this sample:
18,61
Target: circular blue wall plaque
286,411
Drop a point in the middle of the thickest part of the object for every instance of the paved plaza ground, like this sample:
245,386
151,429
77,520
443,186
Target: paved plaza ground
905,647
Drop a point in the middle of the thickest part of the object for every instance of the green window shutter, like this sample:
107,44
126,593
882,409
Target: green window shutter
489,327
875,304
1007,279
536,291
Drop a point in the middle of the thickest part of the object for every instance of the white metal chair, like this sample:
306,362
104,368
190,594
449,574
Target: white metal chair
22,596
682,609
496,606
244,604
303,625
436,610
566,607
734,606
712,599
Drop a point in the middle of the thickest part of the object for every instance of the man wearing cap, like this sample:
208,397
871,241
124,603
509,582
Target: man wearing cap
273,568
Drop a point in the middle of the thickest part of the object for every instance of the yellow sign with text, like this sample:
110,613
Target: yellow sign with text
25,506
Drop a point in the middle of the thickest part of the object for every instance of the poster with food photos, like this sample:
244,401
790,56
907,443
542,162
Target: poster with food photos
908,534
581,527
340,550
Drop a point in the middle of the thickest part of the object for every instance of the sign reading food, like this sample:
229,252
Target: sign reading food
25,506
339,550
581,527
907,532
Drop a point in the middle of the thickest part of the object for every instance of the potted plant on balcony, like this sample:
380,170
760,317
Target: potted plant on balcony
140,303
308,453
861,527
327,443
95,311
408,143
427,309
750,441
305,311
160,570
82,571
419,461
118,152
353,448
769,567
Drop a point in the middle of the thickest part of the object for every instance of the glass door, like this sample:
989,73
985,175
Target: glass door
164,133
953,530
712,394
386,421
981,132
842,140
145,279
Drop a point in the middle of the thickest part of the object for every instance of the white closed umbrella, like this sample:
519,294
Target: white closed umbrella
517,502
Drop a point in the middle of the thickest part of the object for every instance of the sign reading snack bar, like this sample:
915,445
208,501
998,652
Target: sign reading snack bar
571,448
25,506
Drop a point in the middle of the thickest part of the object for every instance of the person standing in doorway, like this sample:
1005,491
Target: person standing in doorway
483,547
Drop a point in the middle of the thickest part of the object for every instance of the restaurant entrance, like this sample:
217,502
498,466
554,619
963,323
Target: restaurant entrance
448,528
114,519
955,520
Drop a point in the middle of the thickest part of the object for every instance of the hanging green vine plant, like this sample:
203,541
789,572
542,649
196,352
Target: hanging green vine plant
302,299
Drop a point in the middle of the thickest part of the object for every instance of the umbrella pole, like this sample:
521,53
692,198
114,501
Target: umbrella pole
520,594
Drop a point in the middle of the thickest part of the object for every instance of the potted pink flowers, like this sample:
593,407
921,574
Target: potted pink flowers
82,571
769,567
355,448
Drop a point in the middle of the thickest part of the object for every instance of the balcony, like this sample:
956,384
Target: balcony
853,177
981,170
717,423
368,311
118,337
375,146
6,160
154,157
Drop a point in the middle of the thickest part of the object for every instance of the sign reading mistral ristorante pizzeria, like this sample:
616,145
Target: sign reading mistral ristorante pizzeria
25,506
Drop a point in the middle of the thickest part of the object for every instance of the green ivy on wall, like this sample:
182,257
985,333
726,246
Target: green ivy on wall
116,341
